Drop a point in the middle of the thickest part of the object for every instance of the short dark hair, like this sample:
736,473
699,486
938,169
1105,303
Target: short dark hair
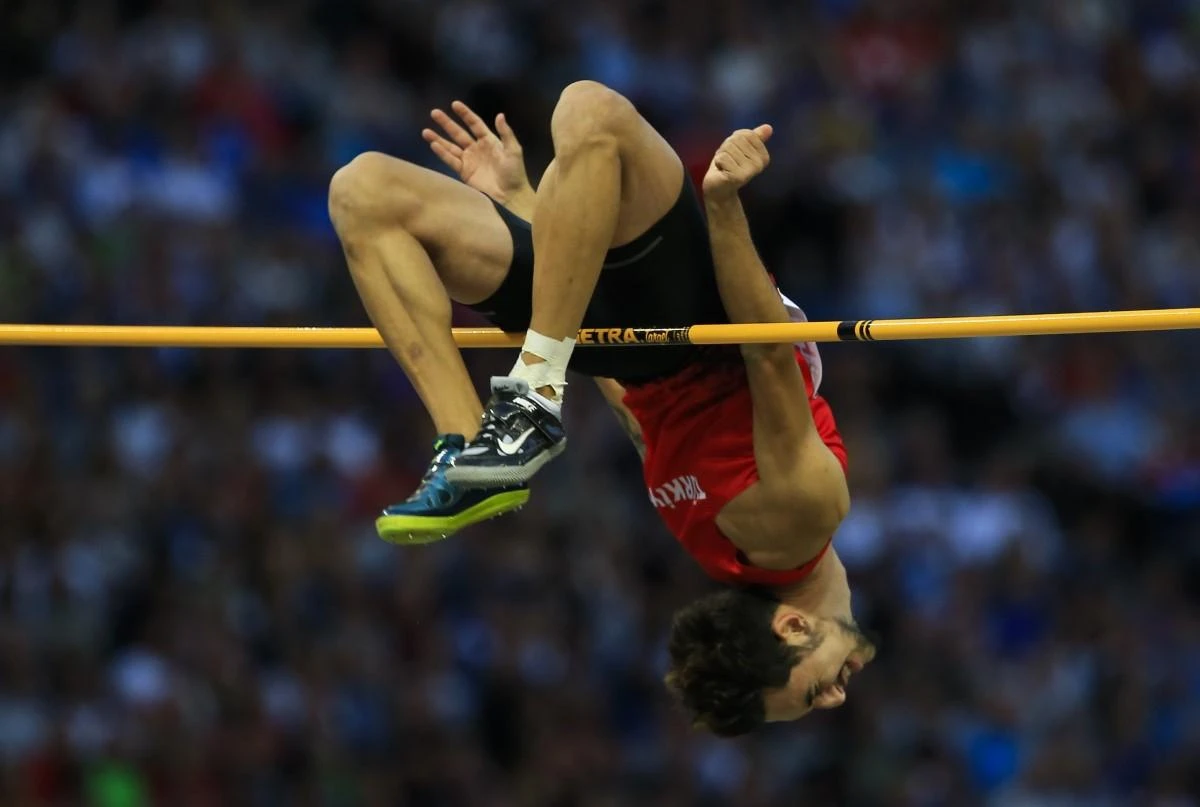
724,653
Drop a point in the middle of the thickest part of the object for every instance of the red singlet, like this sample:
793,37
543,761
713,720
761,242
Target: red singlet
699,434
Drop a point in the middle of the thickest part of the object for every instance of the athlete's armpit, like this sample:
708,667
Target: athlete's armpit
614,393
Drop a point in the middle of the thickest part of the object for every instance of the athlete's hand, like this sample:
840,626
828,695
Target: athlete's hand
487,162
741,158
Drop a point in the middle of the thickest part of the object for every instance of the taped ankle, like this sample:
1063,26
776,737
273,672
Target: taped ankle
552,370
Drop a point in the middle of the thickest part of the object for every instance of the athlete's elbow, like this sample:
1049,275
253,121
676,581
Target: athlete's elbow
839,509
825,504
836,499
769,355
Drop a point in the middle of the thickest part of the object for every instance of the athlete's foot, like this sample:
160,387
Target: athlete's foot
521,431
440,508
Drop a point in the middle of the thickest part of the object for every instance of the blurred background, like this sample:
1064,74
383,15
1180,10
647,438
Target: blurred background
194,608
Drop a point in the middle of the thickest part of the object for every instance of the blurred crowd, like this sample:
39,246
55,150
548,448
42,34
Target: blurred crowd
195,609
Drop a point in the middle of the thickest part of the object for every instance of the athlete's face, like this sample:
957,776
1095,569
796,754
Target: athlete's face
838,649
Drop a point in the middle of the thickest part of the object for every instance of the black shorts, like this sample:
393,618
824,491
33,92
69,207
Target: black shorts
663,279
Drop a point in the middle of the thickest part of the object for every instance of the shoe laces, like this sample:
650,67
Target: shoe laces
494,420
443,457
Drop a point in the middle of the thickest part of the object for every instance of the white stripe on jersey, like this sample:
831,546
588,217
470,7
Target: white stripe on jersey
807,349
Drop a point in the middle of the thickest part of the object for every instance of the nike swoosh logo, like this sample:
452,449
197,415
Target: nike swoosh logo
511,447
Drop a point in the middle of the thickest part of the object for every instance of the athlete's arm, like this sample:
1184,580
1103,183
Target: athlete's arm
801,496
614,393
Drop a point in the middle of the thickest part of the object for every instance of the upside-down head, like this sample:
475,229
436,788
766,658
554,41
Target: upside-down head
740,658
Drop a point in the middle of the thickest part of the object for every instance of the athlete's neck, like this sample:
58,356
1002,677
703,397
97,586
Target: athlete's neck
825,592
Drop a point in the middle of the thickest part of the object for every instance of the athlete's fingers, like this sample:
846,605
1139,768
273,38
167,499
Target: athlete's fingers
734,153
453,161
756,144
723,163
739,155
756,155
507,136
473,121
738,138
749,142
431,137
753,157
457,133
764,131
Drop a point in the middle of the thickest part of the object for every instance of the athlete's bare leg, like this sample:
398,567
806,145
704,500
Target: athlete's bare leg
612,178
413,240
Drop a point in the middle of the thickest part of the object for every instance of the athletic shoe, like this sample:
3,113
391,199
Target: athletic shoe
440,508
520,433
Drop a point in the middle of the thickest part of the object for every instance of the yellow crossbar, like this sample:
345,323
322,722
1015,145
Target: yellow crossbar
866,330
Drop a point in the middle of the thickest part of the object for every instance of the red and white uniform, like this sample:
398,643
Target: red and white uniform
699,432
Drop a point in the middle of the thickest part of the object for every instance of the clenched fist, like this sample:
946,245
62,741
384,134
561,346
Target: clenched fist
741,158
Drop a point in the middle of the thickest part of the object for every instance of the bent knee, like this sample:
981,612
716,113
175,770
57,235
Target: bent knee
589,109
352,188
590,92
368,189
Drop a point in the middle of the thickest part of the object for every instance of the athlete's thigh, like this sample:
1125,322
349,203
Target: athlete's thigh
651,178
651,172
469,243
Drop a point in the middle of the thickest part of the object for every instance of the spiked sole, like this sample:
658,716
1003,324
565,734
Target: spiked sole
412,530
488,476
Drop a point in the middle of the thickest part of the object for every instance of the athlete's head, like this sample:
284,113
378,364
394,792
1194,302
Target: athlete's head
741,658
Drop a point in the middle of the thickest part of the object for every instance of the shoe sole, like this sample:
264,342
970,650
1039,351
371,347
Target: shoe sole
415,530
495,476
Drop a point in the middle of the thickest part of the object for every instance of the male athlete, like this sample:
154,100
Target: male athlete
748,478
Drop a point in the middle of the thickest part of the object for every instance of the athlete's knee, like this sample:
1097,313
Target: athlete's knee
589,113
369,189
353,191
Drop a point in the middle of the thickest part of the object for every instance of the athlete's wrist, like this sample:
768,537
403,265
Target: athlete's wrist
722,201
520,201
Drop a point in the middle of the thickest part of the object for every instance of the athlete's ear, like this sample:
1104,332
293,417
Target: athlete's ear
791,625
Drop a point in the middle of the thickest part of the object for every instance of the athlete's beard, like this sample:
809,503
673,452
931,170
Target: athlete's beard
862,642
